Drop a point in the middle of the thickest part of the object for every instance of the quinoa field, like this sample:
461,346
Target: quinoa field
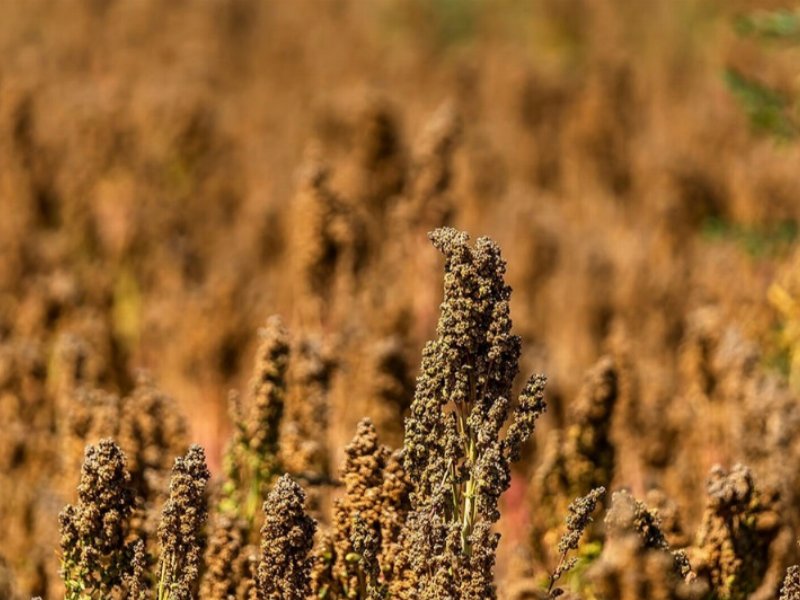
400,299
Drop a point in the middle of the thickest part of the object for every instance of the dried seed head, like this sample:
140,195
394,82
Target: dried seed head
182,522
323,582
251,460
394,510
588,450
151,432
735,535
268,389
578,519
530,407
478,579
303,446
627,515
93,531
791,584
286,541
136,580
471,363
357,515
225,560
454,454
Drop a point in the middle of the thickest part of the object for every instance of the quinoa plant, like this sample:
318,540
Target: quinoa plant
455,456
287,537
252,461
578,519
357,515
628,515
95,554
180,531
790,590
738,527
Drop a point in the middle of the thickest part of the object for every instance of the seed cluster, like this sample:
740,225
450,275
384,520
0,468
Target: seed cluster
455,455
181,528
95,553
287,538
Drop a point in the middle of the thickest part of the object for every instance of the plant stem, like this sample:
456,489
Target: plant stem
554,576
469,502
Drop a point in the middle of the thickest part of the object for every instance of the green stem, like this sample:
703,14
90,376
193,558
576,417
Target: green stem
469,502
161,581
468,516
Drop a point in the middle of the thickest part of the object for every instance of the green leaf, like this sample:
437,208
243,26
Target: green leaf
770,25
766,108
